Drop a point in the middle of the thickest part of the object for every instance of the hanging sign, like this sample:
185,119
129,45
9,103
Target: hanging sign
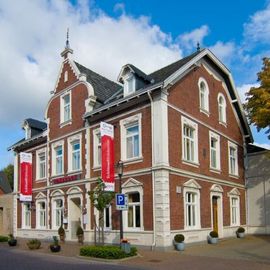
107,155
25,177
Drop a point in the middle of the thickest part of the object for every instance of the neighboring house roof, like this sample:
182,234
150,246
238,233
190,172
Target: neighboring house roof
251,148
4,184
103,87
36,124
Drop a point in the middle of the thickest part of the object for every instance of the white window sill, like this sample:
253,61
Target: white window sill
74,172
205,112
236,176
215,170
197,228
133,160
58,175
63,124
223,123
96,167
41,179
138,230
26,228
191,163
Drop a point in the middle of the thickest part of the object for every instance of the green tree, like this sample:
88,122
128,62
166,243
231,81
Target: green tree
9,172
258,99
100,199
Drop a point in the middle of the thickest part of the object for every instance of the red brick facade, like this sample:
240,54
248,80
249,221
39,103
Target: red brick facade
182,100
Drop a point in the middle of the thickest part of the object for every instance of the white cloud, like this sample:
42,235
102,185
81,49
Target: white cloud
32,40
258,27
189,40
243,89
224,51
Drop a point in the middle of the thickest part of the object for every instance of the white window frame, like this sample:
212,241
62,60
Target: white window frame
124,124
107,208
222,116
96,148
133,186
192,187
233,146
130,77
62,108
204,104
38,154
235,210
26,221
38,215
216,137
72,140
53,147
194,126
55,226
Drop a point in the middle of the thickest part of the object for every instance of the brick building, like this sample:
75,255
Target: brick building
180,132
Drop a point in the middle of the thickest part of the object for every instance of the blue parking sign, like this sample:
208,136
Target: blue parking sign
121,201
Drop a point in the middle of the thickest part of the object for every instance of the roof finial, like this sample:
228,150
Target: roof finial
67,49
198,46
67,41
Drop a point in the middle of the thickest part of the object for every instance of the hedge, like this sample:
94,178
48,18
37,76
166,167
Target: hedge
3,238
106,252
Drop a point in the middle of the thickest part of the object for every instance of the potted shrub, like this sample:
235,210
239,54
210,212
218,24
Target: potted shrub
33,244
179,242
213,237
61,233
55,247
79,234
12,241
240,232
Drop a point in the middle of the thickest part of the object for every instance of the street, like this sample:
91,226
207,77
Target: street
14,259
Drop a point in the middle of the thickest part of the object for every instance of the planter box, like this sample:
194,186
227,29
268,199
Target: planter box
55,248
240,235
180,246
212,240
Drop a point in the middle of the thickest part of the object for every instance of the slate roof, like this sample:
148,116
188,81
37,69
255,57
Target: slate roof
4,184
36,124
104,88
165,72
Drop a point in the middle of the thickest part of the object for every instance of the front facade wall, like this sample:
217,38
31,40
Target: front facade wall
158,179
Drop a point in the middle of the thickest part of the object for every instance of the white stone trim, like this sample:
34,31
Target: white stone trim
206,97
218,153
234,146
38,152
96,133
70,141
187,122
53,157
123,125
38,202
222,118
193,187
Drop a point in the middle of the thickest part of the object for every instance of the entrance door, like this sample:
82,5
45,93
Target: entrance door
215,213
74,215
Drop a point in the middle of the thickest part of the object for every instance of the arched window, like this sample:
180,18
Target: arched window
221,109
203,95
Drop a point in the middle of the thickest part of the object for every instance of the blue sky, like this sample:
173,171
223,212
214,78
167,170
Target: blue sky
107,34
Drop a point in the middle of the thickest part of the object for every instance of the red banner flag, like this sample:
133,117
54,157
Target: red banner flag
107,155
26,177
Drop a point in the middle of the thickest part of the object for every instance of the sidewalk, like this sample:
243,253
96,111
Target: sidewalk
249,253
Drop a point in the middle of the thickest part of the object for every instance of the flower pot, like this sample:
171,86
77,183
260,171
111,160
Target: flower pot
12,242
55,248
180,246
62,237
212,240
240,235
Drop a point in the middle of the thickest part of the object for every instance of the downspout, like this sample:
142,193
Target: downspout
153,180
246,182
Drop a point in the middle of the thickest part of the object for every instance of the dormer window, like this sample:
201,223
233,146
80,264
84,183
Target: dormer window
27,132
129,84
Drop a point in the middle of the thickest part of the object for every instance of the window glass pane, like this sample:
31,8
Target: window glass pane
134,197
107,217
137,216
130,216
129,147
